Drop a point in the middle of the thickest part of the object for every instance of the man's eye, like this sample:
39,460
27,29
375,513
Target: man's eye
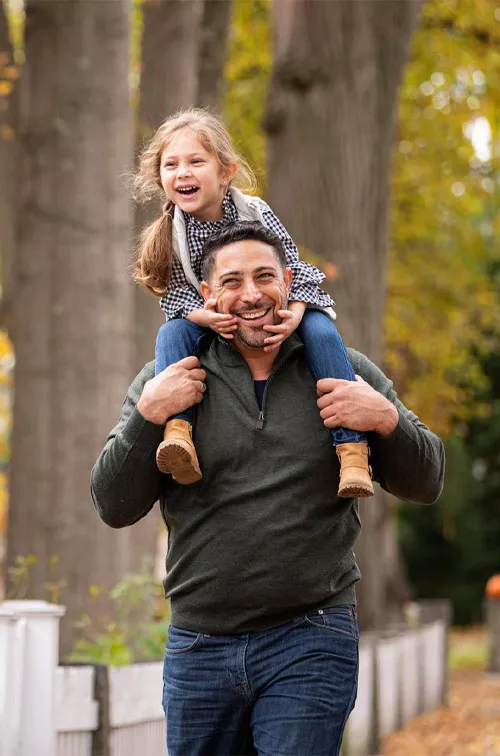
266,275
230,282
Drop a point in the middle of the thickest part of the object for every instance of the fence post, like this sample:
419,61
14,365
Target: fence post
439,610
101,737
9,682
493,624
33,637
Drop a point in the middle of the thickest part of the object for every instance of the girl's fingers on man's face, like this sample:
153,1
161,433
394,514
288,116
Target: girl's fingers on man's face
274,339
276,328
223,318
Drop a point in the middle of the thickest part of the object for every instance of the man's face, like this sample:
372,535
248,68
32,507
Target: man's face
249,283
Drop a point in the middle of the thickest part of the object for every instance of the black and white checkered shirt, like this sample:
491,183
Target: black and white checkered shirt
182,298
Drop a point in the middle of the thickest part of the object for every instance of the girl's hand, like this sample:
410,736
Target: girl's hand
221,323
289,322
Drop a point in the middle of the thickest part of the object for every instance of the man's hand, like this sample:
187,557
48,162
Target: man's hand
172,391
355,405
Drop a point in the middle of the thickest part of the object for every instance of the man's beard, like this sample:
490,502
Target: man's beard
254,338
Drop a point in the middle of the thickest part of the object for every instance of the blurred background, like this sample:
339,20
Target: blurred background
374,131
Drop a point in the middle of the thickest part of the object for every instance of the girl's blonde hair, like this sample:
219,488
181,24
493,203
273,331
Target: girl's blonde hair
153,266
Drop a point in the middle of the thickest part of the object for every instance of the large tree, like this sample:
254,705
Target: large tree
213,51
8,162
169,80
183,54
73,303
330,124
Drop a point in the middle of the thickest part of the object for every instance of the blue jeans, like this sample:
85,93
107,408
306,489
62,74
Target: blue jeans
324,351
177,339
287,691
326,357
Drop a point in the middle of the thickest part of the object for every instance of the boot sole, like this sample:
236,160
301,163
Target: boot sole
354,490
174,459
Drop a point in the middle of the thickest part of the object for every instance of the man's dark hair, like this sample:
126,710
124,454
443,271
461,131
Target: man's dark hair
236,232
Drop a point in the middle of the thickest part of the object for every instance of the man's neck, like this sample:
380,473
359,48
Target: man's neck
260,363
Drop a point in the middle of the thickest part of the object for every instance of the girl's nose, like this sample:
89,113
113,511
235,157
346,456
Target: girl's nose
183,170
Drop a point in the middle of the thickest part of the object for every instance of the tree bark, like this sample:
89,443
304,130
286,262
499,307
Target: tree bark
169,74
330,123
73,303
8,164
213,52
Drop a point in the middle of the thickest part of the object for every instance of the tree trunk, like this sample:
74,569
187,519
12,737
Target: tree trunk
8,164
73,304
330,122
169,73
213,52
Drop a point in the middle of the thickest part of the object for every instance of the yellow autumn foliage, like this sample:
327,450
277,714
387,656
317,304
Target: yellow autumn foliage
445,222
441,296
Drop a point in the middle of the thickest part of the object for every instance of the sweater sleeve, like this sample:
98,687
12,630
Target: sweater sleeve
125,481
410,462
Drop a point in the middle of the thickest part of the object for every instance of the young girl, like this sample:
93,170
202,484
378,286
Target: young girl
191,161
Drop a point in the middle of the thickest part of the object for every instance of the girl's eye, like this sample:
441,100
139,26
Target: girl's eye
169,165
197,160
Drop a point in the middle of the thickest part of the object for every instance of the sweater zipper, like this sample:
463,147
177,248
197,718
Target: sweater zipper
261,419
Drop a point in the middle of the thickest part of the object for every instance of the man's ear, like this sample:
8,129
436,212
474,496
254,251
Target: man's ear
288,275
206,291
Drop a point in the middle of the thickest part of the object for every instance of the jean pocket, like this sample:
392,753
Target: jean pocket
181,641
337,619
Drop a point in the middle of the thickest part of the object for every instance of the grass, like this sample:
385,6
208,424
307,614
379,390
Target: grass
468,648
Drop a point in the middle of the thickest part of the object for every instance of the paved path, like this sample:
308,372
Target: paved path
469,726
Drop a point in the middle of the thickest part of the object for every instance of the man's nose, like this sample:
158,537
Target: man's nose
250,292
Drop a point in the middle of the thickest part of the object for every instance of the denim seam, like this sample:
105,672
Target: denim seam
335,630
179,651
350,706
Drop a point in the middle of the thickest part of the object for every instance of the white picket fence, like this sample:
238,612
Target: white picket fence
52,710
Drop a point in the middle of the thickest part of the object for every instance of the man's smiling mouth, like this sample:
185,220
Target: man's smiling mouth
250,315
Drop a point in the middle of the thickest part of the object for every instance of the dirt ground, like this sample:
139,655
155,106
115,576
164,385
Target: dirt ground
469,726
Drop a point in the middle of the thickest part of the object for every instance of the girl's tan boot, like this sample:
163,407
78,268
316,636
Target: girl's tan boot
176,453
355,479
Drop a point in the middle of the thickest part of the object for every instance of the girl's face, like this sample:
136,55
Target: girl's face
193,178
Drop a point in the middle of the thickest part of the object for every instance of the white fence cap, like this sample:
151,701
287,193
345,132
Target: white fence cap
26,608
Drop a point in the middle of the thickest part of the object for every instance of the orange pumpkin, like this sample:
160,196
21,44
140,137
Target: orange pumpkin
492,589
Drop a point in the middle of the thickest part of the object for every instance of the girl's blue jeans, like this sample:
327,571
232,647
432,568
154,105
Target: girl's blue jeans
324,351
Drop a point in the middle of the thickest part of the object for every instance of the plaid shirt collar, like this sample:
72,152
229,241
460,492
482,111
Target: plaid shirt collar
230,216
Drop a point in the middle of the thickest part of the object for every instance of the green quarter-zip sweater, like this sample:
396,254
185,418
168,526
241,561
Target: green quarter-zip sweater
263,537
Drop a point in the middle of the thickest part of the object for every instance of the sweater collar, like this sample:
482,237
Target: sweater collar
230,357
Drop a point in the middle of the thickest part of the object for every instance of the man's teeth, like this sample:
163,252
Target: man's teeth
252,315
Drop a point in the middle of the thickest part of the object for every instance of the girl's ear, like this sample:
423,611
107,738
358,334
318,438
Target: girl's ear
228,173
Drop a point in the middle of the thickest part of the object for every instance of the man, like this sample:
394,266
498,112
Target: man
262,655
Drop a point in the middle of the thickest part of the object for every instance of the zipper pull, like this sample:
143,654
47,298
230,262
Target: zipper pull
260,423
